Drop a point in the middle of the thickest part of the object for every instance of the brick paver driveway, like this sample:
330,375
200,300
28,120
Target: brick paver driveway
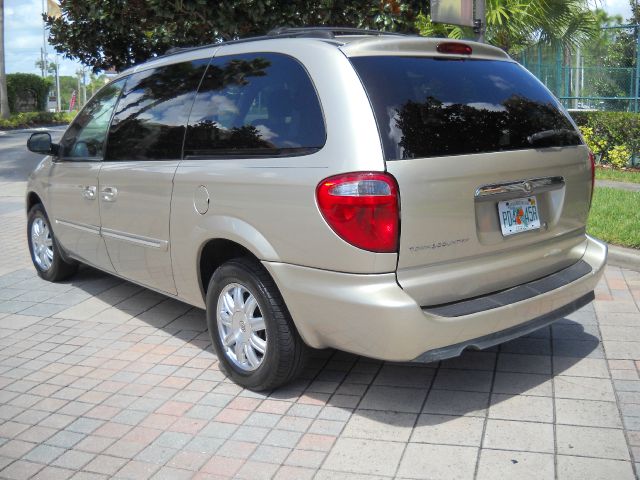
101,378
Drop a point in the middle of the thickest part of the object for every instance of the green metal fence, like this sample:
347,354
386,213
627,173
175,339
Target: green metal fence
604,75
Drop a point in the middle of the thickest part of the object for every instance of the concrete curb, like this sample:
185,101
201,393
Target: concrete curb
624,257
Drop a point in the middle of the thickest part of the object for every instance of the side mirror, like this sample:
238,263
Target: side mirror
40,142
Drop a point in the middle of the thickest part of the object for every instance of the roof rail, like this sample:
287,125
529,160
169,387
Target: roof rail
325,32
290,32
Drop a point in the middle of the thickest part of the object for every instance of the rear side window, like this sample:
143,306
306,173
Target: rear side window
260,104
433,107
151,116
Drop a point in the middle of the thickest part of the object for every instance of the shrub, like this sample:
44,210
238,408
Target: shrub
613,136
32,119
619,156
20,82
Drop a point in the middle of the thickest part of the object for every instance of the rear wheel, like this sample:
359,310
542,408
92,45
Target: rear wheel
44,249
250,327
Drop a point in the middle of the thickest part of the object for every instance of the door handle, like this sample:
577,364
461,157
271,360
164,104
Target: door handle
89,192
109,194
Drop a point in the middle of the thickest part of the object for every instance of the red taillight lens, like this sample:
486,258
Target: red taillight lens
363,209
454,48
592,161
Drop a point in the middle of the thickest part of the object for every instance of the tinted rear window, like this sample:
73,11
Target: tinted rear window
432,107
261,104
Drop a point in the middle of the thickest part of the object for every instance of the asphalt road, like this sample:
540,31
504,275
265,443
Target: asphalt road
16,162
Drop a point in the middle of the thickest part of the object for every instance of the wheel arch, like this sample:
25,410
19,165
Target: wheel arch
213,253
32,199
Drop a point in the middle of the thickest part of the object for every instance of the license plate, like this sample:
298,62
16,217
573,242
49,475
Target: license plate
518,215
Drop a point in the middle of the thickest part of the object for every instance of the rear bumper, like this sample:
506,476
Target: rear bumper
371,315
505,335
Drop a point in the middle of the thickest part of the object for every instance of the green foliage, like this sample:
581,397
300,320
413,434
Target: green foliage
51,67
619,156
20,82
513,24
595,143
614,217
612,136
67,85
33,119
613,51
119,33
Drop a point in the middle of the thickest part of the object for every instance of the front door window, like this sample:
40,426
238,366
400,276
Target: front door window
85,138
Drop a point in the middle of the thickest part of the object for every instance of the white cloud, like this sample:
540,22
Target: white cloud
23,39
617,7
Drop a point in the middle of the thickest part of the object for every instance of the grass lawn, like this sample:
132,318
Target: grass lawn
615,217
618,175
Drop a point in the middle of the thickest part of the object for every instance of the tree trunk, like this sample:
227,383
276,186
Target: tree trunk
4,101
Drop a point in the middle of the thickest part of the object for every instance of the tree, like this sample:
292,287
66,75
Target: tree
116,34
51,67
513,25
4,98
619,55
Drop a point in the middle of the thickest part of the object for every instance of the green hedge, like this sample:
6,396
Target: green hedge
19,82
613,136
33,119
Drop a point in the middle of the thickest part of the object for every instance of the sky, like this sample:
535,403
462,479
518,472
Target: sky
23,38
617,7
23,35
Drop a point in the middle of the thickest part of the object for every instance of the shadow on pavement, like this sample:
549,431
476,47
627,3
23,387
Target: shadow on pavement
382,392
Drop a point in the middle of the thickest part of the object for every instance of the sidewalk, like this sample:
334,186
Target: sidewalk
100,378
631,187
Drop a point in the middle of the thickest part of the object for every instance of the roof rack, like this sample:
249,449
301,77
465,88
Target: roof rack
325,32
292,32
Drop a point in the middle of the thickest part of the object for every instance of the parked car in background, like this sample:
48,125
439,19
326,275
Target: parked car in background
397,197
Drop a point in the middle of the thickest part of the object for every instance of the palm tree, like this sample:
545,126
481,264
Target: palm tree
567,24
513,24
4,100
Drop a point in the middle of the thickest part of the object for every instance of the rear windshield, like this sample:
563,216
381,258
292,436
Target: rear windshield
433,107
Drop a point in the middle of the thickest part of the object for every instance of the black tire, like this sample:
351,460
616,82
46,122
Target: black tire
60,268
285,353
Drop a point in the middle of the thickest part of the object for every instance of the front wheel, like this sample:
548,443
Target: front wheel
44,249
250,327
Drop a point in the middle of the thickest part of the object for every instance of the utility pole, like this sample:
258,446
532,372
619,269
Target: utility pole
78,94
637,85
480,24
45,60
4,100
42,63
58,99
84,85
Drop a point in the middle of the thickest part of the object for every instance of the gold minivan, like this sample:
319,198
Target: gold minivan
397,197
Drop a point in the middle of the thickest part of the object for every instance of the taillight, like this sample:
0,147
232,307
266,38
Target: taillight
363,209
454,48
592,160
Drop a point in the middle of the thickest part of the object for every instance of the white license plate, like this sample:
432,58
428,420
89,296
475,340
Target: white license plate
518,215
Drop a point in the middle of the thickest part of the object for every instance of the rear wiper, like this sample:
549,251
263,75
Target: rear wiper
559,134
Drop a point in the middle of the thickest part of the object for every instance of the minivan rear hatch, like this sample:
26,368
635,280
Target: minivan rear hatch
493,176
